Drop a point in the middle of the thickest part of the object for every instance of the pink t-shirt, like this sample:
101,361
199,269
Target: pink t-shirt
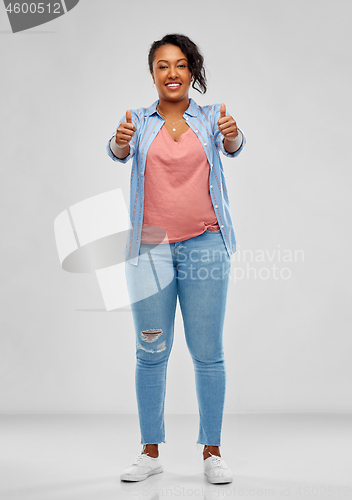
176,190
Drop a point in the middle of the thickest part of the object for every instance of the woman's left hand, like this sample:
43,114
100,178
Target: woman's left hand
227,124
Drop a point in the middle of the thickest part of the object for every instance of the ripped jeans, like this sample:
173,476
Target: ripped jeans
197,271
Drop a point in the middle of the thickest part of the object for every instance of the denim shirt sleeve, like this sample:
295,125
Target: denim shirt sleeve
135,121
219,138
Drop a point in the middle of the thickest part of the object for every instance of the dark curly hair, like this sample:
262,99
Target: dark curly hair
190,49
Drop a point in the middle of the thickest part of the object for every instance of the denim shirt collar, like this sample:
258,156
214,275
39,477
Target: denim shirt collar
192,109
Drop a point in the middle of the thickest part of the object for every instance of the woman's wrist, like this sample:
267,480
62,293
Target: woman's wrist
233,144
119,151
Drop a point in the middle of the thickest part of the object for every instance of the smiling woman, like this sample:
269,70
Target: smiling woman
172,78
179,206
191,55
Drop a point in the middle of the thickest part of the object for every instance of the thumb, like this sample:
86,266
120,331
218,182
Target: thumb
222,110
128,116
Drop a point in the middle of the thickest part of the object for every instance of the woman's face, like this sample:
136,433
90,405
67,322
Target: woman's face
170,65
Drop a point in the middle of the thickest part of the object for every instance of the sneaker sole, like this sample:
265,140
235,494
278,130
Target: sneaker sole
128,477
219,480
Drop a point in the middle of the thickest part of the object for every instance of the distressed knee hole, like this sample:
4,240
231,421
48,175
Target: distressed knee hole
151,335
161,347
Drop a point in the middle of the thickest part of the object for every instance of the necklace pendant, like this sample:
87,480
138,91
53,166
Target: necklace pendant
174,129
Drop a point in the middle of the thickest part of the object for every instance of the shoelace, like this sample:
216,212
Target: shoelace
138,459
215,461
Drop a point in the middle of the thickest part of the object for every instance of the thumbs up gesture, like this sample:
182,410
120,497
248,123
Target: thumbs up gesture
125,131
227,124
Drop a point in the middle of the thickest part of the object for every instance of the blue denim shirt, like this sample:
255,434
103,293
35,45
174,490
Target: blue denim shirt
203,121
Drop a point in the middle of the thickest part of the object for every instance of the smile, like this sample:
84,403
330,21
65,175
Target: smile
173,85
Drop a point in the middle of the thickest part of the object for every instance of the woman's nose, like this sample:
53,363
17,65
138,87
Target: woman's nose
172,72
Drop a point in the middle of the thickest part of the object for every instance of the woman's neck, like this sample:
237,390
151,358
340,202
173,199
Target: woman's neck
169,108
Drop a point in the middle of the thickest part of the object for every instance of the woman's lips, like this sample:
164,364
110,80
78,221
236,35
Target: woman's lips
173,86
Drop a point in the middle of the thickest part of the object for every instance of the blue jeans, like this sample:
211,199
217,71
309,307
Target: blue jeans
197,271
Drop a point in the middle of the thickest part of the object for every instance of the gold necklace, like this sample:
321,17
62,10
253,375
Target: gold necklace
171,123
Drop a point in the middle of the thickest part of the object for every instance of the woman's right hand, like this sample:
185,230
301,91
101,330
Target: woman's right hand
125,131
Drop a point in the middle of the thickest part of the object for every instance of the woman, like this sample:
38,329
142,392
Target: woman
180,245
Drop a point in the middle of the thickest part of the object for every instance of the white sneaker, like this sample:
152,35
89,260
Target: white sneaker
141,467
216,470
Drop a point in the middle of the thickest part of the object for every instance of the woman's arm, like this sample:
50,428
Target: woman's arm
228,138
119,152
121,145
233,145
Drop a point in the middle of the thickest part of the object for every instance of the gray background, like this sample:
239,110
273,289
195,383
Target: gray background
283,70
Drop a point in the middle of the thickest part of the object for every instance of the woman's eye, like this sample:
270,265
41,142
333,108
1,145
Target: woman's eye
179,66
